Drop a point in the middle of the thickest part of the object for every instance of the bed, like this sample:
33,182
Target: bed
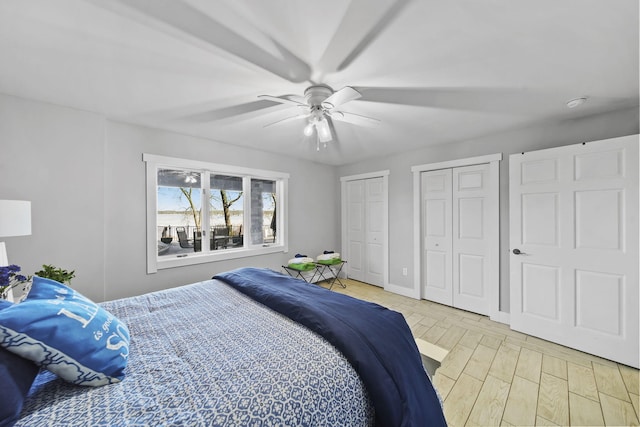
250,347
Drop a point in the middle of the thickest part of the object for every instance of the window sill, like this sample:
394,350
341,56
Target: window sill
221,255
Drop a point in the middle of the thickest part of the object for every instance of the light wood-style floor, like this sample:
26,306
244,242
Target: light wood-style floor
495,376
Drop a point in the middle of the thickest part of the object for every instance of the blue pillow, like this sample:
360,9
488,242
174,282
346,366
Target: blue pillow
66,333
16,376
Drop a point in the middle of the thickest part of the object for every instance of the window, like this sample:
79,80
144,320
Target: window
201,212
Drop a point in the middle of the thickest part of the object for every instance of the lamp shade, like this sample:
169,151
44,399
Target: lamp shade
15,218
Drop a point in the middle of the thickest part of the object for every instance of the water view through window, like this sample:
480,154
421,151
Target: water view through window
183,227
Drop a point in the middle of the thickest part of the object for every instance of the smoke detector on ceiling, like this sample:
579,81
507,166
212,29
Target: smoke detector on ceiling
576,102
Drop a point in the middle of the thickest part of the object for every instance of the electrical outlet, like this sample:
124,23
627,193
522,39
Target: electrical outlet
404,271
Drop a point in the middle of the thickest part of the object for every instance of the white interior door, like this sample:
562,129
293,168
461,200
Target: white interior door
574,237
460,236
366,228
356,229
475,235
374,219
437,236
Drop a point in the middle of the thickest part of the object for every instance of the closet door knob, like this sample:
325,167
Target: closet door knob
516,251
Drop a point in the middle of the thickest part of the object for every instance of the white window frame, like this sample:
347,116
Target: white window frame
154,162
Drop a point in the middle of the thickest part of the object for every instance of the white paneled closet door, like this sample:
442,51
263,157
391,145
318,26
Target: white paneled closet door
574,241
475,238
356,229
460,241
365,230
437,241
374,217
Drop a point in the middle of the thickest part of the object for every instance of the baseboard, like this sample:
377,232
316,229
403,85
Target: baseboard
401,290
501,316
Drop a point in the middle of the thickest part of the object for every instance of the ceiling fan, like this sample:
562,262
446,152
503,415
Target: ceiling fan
360,24
319,108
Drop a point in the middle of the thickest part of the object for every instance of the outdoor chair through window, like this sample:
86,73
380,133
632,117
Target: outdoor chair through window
219,237
236,238
185,242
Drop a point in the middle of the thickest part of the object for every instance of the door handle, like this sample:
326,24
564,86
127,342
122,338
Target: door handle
517,251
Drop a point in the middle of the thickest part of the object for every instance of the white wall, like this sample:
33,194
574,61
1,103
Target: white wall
54,158
85,177
617,123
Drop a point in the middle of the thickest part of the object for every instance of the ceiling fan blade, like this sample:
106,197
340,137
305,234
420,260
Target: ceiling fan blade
340,97
283,100
483,99
363,21
190,20
287,119
234,110
297,98
354,119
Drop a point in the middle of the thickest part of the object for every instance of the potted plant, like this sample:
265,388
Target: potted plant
55,273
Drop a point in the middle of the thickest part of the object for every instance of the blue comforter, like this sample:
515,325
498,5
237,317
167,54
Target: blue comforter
207,355
377,342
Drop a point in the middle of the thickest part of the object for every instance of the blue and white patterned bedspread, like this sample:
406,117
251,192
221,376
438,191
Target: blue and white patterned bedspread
207,355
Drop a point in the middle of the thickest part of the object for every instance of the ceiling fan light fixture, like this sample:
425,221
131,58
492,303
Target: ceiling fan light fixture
324,132
319,103
308,129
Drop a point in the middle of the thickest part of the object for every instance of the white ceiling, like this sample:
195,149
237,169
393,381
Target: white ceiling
432,71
